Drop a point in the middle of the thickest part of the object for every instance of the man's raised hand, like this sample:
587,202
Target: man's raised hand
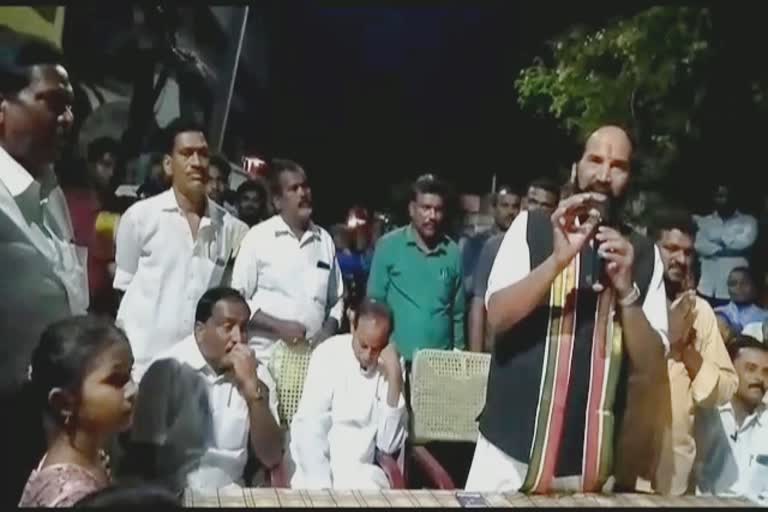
570,235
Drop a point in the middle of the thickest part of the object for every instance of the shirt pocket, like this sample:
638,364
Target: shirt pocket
230,423
71,268
214,260
319,279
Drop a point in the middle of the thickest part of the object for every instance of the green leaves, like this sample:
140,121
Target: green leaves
647,72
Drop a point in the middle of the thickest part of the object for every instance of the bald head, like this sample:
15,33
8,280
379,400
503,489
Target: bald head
610,134
604,165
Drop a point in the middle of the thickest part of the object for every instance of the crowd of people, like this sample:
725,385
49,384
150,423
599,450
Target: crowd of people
139,319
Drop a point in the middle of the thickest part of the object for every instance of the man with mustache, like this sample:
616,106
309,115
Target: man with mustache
542,195
416,271
577,305
287,269
43,279
506,206
701,375
171,248
732,440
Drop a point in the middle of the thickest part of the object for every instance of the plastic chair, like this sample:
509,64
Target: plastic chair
288,366
447,395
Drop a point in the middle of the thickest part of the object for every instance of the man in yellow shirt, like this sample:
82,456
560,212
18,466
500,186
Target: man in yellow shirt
701,374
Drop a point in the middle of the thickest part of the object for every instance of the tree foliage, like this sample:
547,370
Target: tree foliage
648,73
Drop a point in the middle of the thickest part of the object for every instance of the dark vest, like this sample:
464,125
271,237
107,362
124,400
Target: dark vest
508,418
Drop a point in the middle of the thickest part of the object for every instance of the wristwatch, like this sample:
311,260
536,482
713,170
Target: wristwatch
631,298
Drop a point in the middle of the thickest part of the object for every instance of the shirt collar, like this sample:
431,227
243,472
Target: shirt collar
758,414
213,211
18,180
188,352
282,228
410,239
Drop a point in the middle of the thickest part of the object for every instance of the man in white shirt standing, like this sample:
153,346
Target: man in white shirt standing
171,248
287,269
201,401
42,273
732,440
352,405
723,242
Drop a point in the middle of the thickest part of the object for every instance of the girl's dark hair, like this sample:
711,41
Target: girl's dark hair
65,354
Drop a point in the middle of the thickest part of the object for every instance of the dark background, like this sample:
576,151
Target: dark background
369,97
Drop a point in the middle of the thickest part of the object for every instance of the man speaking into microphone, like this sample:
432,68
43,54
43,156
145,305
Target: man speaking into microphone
580,351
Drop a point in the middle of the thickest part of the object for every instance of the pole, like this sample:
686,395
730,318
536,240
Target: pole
231,92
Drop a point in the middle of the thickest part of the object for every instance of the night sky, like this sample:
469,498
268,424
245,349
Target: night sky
369,97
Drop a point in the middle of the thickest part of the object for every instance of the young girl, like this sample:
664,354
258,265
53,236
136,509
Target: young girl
81,376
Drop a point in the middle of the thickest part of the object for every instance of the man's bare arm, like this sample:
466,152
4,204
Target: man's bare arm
477,319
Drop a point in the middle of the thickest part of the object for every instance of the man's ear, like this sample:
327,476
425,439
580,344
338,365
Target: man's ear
199,327
411,208
167,166
276,203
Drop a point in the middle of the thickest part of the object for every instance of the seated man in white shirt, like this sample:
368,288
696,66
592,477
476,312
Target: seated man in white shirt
732,439
201,402
352,405
170,248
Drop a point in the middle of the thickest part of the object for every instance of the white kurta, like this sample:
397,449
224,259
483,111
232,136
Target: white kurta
164,271
288,278
343,417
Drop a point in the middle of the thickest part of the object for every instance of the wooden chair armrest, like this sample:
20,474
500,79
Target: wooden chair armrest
391,469
433,470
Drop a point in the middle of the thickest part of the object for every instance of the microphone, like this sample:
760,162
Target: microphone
594,272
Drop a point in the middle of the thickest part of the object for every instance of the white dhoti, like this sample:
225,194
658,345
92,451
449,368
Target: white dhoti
493,470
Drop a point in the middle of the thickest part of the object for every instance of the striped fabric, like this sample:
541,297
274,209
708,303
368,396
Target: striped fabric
555,380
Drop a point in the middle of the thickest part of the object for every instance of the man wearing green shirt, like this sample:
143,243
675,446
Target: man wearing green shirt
416,271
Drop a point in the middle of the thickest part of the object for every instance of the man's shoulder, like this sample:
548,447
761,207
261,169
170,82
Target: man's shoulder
143,207
397,235
325,237
394,238
333,345
494,242
451,247
267,226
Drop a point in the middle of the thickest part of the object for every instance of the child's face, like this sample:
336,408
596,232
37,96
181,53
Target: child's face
108,392
741,288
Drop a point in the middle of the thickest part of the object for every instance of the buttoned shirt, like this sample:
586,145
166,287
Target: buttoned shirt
757,330
723,245
740,316
342,418
713,386
164,271
43,274
288,278
197,419
727,462
424,289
